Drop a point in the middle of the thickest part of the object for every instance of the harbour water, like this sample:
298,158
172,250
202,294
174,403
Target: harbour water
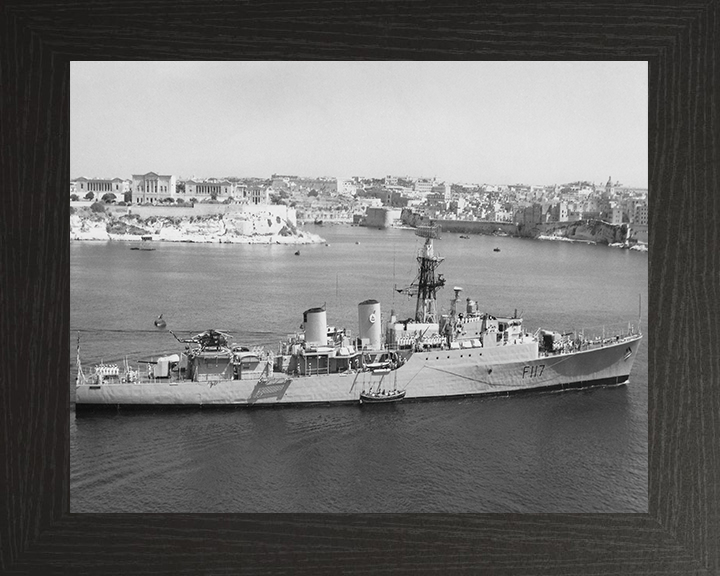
578,451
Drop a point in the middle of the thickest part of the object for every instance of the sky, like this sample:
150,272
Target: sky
463,122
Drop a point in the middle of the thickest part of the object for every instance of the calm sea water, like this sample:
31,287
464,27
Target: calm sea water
579,451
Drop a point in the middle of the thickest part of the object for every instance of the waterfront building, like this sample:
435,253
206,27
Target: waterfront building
99,186
203,189
320,185
241,193
282,181
346,187
591,205
443,190
391,180
437,201
258,194
423,186
537,213
559,212
152,188
641,214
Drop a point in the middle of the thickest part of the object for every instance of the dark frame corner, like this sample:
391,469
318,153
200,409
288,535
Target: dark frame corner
679,535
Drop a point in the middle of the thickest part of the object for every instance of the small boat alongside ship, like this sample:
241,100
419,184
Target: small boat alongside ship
381,396
464,352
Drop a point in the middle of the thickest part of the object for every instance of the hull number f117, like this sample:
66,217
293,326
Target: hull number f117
533,371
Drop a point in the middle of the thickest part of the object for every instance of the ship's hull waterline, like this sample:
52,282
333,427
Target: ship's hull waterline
447,373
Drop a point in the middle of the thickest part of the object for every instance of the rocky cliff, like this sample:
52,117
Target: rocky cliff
583,230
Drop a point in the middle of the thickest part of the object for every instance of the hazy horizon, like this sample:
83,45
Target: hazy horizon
471,122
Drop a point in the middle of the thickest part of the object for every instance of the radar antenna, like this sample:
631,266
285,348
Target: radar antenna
426,284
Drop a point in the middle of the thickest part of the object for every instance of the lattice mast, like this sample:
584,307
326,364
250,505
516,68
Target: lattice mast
427,283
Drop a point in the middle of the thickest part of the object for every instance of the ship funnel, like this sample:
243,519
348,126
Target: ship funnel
369,321
315,321
456,300
471,306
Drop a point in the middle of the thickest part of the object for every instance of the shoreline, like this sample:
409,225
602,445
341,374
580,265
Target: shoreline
303,239
637,247
306,238
96,231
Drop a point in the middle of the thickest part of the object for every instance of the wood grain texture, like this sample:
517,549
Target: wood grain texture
679,535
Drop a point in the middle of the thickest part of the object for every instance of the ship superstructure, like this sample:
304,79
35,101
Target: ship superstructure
462,353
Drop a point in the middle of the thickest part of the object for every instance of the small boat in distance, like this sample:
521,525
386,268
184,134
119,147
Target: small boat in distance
144,245
496,249
464,237
297,253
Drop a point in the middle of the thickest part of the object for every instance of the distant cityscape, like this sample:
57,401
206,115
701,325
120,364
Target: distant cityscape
348,200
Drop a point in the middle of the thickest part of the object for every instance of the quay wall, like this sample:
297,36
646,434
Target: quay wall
476,226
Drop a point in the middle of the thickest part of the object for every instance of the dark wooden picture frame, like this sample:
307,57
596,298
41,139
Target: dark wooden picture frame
679,535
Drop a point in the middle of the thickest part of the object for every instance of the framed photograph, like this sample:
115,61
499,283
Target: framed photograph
615,480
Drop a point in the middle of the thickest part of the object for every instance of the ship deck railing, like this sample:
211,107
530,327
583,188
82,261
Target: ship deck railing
579,341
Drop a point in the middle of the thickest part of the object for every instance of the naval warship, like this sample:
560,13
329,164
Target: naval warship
465,352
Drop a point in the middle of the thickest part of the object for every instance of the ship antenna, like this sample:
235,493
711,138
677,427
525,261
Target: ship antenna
79,366
639,313
394,281
428,284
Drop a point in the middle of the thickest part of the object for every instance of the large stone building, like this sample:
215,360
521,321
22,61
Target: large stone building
443,190
100,187
641,214
152,188
257,194
559,212
423,186
346,187
211,188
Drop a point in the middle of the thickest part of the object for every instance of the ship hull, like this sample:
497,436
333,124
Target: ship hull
501,370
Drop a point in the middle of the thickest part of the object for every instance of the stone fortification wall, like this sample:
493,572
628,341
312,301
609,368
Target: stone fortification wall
380,217
586,230
476,226
251,210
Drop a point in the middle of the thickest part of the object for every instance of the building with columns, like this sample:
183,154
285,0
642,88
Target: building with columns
258,194
152,188
203,189
100,186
